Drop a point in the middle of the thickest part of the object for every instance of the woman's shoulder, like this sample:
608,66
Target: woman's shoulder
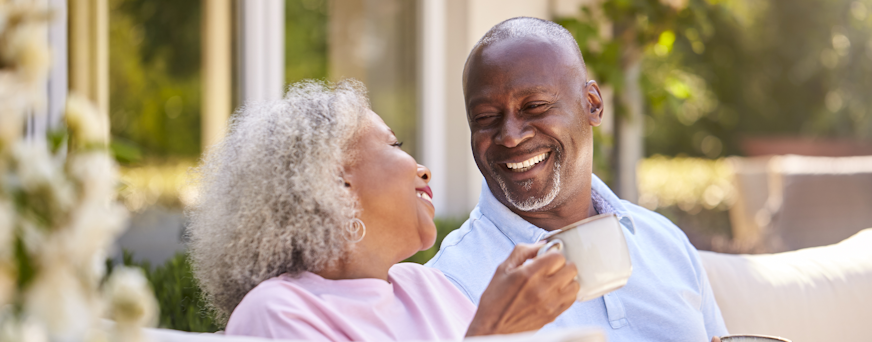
276,290
421,278
414,270
429,288
259,309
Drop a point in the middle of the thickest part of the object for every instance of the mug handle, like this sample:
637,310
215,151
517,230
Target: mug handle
555,243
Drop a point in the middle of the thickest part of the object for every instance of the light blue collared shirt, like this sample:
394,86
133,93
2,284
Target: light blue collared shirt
667,298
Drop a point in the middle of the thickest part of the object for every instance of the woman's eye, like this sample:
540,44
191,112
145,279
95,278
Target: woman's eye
397,144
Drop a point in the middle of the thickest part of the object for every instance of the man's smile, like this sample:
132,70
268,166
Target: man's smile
528,164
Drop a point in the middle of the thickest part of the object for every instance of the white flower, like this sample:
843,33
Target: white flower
61,301
130,299
7,272
22,44
97,174
7,222
35,166
41,175
11,115
28,330
86,123
25,49
93,228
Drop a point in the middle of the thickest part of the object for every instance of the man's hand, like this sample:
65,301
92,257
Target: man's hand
523,297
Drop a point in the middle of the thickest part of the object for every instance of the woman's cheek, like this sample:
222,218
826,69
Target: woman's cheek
427,232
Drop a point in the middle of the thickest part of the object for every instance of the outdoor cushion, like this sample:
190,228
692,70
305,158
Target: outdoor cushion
813,294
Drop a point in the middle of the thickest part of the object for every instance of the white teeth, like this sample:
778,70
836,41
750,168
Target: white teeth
527,164
425,196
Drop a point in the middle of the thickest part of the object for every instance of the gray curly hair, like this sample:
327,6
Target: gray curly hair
271,197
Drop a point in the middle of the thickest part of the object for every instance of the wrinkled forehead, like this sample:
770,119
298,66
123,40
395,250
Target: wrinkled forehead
521,62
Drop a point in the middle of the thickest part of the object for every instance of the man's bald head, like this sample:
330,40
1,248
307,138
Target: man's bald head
528,27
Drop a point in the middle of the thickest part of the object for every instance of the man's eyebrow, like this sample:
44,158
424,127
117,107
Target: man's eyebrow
535,90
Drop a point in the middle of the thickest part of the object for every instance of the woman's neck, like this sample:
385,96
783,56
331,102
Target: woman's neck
359,263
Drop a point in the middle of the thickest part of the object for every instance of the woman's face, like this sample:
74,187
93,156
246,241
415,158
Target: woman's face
393,193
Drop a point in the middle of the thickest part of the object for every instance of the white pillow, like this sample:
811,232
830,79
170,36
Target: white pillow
813,294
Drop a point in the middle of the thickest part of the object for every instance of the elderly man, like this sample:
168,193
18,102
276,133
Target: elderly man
531,110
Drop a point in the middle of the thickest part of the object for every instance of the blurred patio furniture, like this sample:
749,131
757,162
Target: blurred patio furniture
809,201
813,294
750,181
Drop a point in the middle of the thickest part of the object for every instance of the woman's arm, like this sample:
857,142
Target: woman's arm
525,296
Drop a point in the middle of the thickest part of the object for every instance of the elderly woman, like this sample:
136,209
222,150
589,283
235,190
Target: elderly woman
305,210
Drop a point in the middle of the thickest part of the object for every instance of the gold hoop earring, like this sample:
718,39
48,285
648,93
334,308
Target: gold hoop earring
354,226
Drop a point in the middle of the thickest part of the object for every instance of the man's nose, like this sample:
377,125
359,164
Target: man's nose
513,132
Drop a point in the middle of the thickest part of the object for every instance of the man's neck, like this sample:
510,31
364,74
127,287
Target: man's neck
562,215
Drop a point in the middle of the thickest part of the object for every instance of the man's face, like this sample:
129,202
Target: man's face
528,107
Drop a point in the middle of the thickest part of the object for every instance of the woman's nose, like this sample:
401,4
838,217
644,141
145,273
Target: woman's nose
424,173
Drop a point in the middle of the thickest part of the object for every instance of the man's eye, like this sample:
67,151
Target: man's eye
536,106
485,119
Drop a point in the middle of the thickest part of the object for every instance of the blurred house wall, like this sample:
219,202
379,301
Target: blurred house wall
216,78
89,51
466,21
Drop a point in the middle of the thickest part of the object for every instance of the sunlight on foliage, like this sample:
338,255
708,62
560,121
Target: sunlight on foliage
161,183
691,184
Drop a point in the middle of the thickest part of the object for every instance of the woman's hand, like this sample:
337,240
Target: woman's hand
523,297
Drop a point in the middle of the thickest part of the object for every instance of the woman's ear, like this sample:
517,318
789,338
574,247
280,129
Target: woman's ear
595,104
345,178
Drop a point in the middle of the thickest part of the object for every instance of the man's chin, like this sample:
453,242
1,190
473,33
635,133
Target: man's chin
519,197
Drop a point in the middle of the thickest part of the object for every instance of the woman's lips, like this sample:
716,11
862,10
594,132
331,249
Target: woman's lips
425,193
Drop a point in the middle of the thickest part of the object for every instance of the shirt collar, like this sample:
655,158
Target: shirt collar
520,231
598,188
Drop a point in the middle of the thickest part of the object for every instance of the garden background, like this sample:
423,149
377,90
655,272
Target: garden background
715,78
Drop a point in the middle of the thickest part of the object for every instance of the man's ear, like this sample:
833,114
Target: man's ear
595,104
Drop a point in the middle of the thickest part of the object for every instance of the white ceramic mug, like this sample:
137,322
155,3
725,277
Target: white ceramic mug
596,246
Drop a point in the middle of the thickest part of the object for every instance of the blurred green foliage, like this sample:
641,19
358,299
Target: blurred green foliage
154,77
715,71
443,227
181,302
305,40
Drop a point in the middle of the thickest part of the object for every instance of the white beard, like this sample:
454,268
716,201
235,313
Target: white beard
532,203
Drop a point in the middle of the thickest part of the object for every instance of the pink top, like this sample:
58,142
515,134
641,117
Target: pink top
418,303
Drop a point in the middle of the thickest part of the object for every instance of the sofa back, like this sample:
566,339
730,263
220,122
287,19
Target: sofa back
813,294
